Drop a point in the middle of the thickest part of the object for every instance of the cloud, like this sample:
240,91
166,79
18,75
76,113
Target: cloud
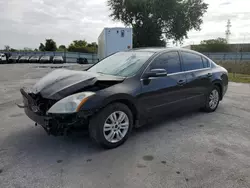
215,21
62,20
26,23
225,3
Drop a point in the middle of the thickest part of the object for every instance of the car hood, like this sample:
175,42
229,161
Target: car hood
61,83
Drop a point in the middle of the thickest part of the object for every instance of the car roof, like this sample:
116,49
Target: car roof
161,49
150,49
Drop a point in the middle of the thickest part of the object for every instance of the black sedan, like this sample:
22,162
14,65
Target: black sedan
82,60
124,90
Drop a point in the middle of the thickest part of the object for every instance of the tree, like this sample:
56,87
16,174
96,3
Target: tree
50,45
212,45
62,48
152,20
26,49
78,46
92,47
6,47
13,50
41,47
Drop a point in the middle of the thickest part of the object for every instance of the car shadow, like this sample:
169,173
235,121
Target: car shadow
33,143
165,120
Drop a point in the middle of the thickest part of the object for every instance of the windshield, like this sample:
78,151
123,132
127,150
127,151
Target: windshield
122,63
57,57
45,57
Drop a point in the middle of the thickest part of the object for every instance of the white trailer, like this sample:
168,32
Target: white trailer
112,40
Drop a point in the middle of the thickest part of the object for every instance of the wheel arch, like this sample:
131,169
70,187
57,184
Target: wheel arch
128,101
218,83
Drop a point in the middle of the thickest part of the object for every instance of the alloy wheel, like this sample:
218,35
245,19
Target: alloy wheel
213,99
116,127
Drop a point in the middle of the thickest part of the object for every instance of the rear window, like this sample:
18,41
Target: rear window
58,57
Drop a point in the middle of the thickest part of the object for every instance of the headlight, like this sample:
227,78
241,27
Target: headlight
70,104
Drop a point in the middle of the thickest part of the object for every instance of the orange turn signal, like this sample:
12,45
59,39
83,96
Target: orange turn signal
80,105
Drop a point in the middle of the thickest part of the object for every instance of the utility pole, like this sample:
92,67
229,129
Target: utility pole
228,32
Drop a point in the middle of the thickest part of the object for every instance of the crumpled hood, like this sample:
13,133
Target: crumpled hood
62,82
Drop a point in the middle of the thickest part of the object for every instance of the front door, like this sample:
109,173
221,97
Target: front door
164,94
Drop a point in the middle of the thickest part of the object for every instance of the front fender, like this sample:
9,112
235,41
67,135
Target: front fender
98,102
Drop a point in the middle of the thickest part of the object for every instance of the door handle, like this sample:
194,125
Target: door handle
209,75
181,82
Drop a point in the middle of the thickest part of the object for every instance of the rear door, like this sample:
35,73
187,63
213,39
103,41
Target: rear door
198,74
164,94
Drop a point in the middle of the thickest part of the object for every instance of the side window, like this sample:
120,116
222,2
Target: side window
191,61
169,61
206,63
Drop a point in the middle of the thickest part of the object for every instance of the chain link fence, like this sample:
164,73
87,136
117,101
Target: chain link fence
229,56
235,62
69,57
238,62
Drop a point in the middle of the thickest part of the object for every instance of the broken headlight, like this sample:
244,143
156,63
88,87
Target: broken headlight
70,104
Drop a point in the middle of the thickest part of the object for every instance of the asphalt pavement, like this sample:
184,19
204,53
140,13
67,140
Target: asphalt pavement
195,149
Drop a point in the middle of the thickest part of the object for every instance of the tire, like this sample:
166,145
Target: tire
97,122
211,107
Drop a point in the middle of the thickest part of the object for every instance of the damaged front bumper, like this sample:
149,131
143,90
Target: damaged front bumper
53,124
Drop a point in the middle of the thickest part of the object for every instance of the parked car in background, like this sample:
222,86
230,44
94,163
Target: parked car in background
24,59
123,91
82,60
45,59
3,58
14,59
58,59
34,59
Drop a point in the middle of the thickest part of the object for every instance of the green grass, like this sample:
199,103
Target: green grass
242,78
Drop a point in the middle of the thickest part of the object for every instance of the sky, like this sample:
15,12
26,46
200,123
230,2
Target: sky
27,23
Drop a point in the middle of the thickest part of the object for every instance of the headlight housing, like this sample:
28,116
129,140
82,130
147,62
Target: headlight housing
70,104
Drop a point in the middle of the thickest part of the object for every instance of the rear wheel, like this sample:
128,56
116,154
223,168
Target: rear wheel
213,99
110,128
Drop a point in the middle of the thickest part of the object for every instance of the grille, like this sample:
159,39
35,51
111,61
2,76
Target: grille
42,104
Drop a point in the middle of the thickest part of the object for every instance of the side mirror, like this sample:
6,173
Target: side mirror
155,73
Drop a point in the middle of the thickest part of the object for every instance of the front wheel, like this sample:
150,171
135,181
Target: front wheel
213,100
110,128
